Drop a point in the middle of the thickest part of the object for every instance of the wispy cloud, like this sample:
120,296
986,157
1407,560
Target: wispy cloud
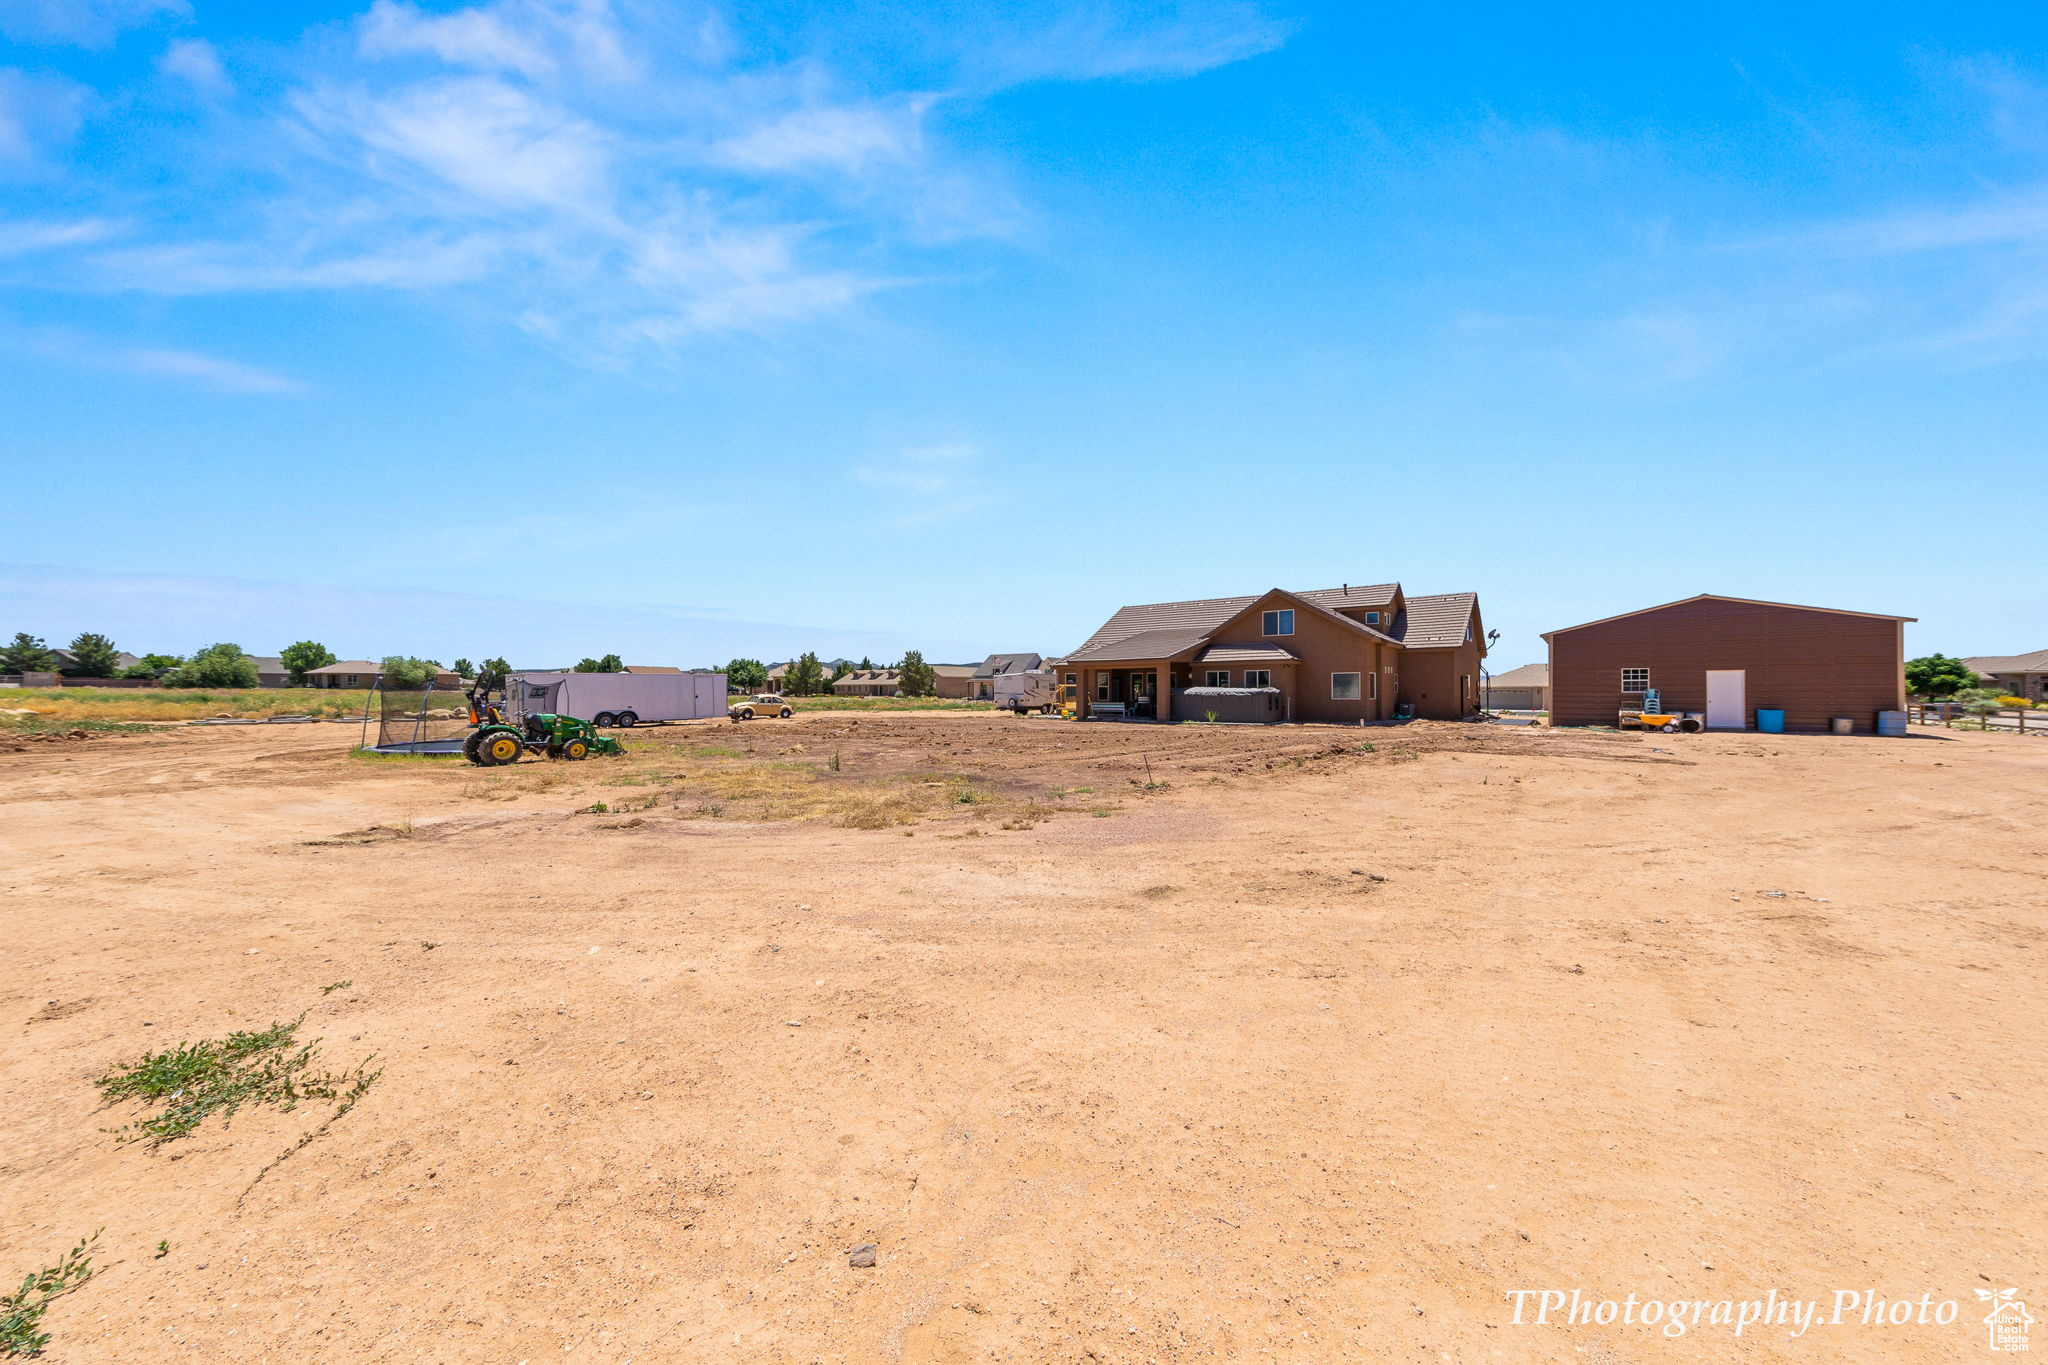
193,368
194,62
44,235
609,175
83,23
925,484
38,114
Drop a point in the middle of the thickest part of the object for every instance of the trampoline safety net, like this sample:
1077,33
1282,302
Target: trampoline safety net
417,720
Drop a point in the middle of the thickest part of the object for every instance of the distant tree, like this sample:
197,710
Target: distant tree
464,668
93,656
746,675
839,670
1980,702
403,673
493,672
918,678
221,665
806,677
608,664
303,657
867,665
1937,675
27,654
152,666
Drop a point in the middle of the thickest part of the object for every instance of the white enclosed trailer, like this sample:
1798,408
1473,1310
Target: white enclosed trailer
624,699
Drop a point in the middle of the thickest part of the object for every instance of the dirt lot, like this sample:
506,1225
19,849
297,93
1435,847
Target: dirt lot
1122,1044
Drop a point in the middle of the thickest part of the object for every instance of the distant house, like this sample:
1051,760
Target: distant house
954,681
651,668
869,682
779,674
271,672
66,660
982,683
361,673
2016,675
1519,689
1340,655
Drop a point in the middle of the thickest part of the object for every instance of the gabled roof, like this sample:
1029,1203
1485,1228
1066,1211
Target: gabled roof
2037,662
953,670
1246,654
1164,642
1437,622
1207,613
349,666
1717,597
651,668
996,664
1528,675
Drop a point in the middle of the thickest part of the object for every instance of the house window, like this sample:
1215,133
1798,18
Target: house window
351,680
1635,679
1345,686
1102,687
1070,680
1372,618
1259,677
1372,687
1218,677
1277,623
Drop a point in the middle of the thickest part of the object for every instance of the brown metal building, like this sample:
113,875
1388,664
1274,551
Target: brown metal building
1726,657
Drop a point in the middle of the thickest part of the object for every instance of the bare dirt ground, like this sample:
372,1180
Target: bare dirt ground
1122,1044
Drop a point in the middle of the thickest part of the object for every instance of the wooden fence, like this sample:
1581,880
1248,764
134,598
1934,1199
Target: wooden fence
1947,713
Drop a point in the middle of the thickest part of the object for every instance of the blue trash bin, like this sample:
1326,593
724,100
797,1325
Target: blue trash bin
1770,722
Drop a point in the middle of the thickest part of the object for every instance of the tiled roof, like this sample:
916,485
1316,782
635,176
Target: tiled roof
1207,613
953,670
1436,622
1242,654
2037,662
1352,596
651,668
871,677
1146,644
1528,675
349,666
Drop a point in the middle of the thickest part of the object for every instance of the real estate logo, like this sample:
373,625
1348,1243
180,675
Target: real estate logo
2008,1319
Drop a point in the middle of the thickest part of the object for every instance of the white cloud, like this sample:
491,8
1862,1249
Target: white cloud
1105,38
846,138
194,61
83,23
37,114
206,371
611,175
932,483
25,235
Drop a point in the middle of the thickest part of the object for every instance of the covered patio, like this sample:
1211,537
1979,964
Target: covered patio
1147,676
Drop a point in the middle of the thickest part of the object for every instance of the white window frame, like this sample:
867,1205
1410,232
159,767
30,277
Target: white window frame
1279,621
1645,679
1218,677
1357,692
1258,677
1372,618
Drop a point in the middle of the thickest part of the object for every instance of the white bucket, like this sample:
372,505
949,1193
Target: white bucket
1842,725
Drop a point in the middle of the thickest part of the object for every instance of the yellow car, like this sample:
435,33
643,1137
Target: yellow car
762,704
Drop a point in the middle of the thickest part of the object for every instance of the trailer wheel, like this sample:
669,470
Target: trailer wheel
604,720
626,720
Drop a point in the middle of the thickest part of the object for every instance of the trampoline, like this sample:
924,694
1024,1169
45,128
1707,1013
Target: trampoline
426,721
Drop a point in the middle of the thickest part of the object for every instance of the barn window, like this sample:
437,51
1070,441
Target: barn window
1258,677
1345,686
1635,679
1218,677
1277,623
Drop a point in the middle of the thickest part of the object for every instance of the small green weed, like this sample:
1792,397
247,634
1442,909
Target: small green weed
1366,748
594,808
195,1081
337,986
21,1312
163,1249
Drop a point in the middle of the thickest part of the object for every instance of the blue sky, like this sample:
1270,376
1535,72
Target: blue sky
557,327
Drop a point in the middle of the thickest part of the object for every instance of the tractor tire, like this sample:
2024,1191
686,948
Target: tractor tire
469,749
605,720
500,748
576,750
626,720
786,713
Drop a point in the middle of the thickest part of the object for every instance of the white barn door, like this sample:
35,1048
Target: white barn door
1727,707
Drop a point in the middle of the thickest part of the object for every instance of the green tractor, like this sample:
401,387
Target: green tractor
497,741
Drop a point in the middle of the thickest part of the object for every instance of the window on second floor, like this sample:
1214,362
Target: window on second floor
1372,618
1277,623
